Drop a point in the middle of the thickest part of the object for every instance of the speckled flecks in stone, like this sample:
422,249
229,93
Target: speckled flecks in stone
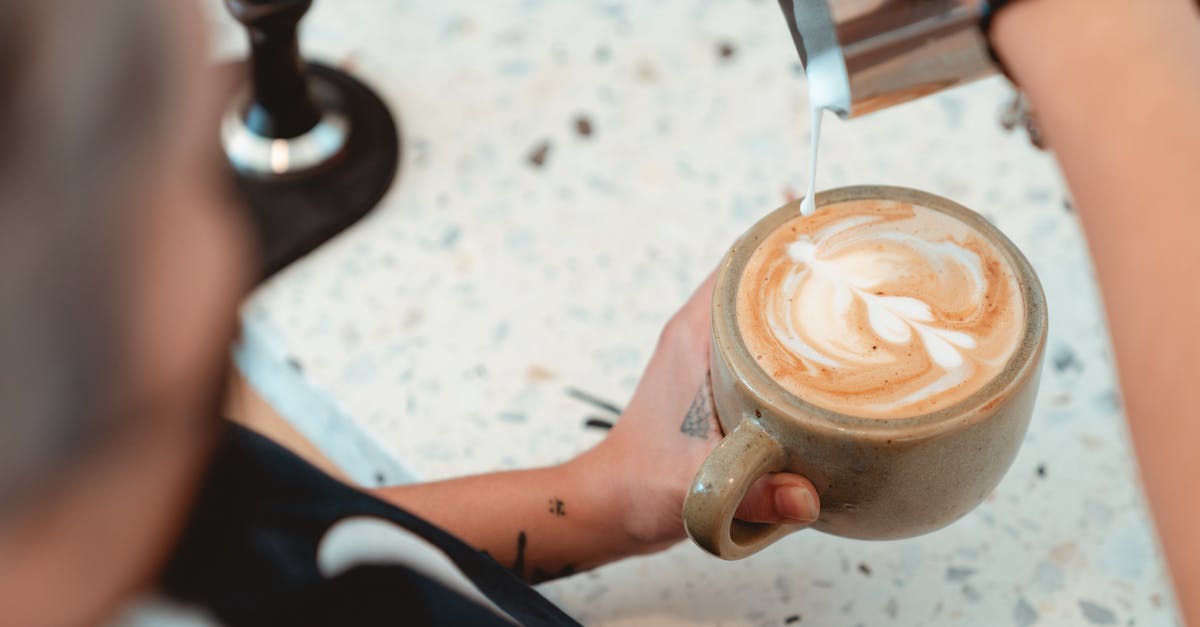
537,156
957,573
1096,613
420,326
1064,360
1023,614
583,126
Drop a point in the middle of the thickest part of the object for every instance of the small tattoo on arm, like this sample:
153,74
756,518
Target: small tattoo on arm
698,421
519,564
556,507
538,575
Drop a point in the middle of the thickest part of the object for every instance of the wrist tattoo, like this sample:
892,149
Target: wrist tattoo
698,421
538,575
556,507
519,563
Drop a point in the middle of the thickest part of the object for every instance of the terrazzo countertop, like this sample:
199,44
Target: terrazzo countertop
571,171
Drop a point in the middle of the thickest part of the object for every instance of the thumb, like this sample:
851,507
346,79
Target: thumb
780,498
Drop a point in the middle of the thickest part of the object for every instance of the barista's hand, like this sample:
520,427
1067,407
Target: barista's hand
622,497
668,429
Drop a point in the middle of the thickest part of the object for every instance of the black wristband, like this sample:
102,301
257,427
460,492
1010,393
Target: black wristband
988,14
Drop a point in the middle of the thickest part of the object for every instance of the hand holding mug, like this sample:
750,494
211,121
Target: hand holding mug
667,431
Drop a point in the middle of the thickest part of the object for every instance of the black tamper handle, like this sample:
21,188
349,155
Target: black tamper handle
281,104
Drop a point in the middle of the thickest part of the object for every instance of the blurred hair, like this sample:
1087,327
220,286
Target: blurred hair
84,98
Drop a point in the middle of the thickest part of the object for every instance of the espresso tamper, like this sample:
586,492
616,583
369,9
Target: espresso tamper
312,149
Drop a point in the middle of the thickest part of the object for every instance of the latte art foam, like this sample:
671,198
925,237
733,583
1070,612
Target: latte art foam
879,309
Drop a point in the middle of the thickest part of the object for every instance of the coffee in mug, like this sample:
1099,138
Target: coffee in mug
879,308
887,347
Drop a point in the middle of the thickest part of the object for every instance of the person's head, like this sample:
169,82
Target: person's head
120,267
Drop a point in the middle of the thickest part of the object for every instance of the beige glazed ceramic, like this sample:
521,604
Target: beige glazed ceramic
878,478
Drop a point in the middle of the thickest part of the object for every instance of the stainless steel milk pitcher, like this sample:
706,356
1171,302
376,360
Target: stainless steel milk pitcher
872,54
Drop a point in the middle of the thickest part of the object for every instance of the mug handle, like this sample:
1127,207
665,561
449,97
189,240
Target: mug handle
739,460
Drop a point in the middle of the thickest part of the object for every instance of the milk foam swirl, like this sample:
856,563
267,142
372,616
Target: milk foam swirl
879,309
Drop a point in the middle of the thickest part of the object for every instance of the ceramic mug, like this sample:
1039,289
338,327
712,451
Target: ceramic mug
878,478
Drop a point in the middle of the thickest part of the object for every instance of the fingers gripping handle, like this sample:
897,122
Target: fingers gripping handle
738,461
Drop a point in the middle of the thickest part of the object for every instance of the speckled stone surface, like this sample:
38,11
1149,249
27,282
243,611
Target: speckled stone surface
571,171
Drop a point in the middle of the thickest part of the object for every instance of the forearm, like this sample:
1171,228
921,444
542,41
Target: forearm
623,497
1115,85
542,523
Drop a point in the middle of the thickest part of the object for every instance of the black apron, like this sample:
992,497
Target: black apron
249,553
